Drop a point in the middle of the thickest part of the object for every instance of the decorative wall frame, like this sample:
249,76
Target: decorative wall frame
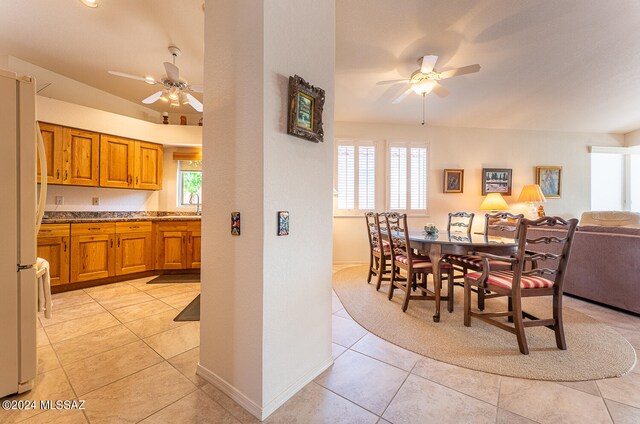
496,180
235,223
306,103
549,178
283,223
453,180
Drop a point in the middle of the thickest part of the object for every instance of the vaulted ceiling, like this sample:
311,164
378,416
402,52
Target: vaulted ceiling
570,65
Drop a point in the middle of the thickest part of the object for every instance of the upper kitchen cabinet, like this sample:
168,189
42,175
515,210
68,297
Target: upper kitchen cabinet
53,146
117,158
80,157
148,166
128,163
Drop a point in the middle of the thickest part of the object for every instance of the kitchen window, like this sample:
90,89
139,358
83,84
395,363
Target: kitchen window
189,182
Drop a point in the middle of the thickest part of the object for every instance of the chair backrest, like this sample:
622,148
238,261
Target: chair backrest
499,222
373,230
398,235
532,262
460,220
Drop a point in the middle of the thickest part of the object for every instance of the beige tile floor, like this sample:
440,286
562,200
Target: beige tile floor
118,348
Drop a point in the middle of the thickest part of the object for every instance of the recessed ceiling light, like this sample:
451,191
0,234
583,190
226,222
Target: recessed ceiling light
90,3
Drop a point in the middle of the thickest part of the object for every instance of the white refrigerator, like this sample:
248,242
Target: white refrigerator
19,143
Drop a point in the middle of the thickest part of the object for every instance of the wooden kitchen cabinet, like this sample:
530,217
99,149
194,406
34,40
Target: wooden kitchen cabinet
92,251
134,248
148,166
54,246
178,245
117,161
53,147
81,157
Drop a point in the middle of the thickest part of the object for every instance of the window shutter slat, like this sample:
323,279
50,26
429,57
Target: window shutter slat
366,177
346,177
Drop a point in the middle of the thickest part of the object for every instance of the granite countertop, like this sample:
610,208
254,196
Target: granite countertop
79,217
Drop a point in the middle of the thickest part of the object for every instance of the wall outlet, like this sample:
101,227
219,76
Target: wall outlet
59,200
95,201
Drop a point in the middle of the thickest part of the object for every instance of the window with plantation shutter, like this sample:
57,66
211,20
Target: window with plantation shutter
407,177
356,176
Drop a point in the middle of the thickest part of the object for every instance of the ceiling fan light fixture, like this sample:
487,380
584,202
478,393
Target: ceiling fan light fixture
149,80
424,86
90,3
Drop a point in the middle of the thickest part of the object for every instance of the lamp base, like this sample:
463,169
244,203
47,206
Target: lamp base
532,213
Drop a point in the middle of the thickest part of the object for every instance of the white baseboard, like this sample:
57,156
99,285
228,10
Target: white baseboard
254,409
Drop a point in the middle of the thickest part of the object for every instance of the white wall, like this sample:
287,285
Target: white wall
632,138
266,300
472,149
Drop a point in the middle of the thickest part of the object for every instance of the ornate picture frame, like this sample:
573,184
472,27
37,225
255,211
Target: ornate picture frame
496,180
305,106
549,178
453,180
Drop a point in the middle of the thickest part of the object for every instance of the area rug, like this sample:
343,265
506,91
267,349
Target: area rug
594,351
175,278
191,312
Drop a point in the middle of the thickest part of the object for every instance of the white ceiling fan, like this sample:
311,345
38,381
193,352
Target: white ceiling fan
175,91
425,80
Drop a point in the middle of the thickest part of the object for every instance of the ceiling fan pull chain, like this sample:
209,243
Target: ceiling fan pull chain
424,97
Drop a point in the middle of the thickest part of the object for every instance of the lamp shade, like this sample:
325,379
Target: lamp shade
494,202
531,193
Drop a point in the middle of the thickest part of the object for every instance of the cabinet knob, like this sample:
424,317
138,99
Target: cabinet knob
58,174
66,175
111,242
64,246
118,241
136,180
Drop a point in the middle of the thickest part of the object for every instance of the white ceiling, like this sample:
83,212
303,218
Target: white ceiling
81,43
572,65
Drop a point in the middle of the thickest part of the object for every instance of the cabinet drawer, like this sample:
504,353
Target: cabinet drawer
194,225
54,230
133,227
173,226
93,228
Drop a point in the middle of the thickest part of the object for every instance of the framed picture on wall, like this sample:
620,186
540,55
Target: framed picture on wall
306,103
496,180
549,178
453,180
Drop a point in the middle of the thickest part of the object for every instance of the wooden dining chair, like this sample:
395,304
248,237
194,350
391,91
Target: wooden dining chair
460,220
417,266
379,251
500,222
526,279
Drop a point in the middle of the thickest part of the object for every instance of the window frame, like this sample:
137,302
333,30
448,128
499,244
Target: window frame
180,188
408,145
356,211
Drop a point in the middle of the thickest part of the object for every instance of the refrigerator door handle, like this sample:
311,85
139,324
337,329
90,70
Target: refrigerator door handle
42,156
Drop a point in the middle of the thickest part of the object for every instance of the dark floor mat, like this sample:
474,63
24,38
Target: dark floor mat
191,312
175,278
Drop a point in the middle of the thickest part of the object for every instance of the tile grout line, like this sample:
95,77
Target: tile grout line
347,399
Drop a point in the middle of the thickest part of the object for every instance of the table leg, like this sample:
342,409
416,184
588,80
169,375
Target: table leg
435,254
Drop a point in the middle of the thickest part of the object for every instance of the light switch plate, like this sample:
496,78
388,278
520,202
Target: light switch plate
95,201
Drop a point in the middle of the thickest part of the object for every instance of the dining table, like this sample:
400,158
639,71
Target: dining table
443,243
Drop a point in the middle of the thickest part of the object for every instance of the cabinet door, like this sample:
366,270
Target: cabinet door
117,159
80,157
53,146
56,251
172,247
194,248
92,257
148,175
133,253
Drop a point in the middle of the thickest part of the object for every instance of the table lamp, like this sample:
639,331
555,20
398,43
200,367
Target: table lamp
532,194
494,202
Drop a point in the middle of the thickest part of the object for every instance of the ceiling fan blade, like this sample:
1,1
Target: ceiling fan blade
402,96
196,88
122,74
173,73
195,103
440,91
460,71
392,81
152,98
428,63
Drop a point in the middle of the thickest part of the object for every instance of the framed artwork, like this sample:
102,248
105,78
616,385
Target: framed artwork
453,180
283,223
549,178
235,223
305,110
496,180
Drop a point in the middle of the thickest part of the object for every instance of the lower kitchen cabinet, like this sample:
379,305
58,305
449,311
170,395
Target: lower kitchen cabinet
178,245
54,246
134,247
194,245
92,251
